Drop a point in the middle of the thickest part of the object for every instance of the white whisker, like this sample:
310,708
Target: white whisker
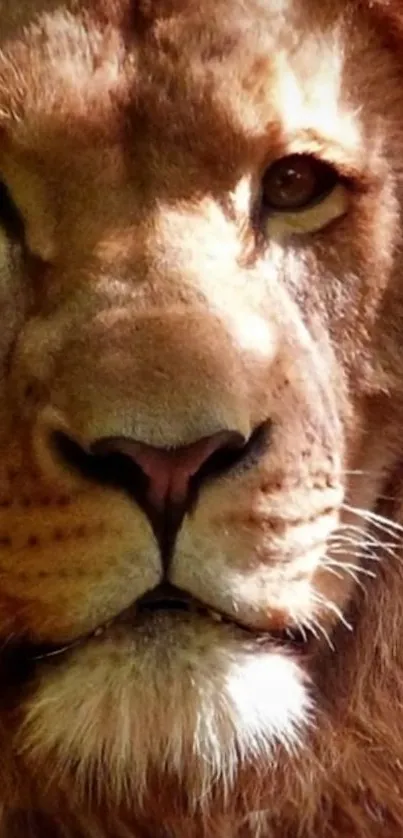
363,554
331,606
312,627
378,521
354,568
318,626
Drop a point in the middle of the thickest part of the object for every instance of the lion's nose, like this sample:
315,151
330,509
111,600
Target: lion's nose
165,482
169,472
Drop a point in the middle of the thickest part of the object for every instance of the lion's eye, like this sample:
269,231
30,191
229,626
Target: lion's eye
301,194
296,182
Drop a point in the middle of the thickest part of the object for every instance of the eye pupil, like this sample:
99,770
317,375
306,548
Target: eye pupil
295,182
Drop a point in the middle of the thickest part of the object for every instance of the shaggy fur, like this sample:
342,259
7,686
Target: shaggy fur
146,293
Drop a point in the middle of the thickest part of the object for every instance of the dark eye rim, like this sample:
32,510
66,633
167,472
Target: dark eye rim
331,177
11,219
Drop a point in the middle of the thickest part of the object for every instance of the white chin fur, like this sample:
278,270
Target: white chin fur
191,700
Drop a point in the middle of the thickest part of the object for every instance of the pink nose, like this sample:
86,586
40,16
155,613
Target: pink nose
169,471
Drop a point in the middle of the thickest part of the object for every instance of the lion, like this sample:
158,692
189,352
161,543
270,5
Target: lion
201,476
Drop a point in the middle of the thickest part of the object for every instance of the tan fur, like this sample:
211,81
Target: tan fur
146,303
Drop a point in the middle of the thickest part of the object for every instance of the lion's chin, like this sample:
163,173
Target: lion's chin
181,697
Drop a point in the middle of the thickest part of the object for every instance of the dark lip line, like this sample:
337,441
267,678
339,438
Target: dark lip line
123,618
164,598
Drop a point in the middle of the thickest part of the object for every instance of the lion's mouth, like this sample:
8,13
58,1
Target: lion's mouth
164,599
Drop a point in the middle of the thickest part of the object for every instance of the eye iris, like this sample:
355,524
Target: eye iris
295,182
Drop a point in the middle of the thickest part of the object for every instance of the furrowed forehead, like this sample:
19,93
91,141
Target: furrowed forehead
65,57
172,73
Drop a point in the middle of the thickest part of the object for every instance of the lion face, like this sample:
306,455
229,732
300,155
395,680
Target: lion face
201,365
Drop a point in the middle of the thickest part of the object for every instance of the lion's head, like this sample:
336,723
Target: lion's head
201,409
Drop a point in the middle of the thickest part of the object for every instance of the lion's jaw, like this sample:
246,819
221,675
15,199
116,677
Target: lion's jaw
158,312
186,704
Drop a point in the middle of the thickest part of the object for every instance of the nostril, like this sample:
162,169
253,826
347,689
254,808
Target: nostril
164,482
169,472
130,464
